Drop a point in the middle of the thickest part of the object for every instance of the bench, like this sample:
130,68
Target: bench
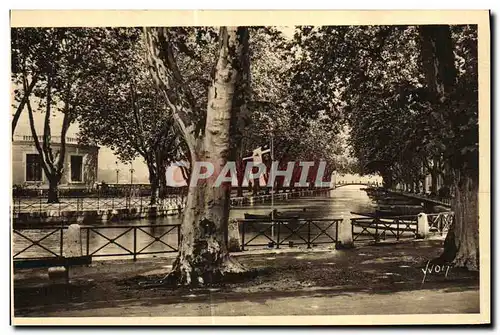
49,262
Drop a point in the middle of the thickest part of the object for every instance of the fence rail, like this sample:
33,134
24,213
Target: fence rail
357,182
440,221
377,228
279,232
124,240
426,197
79,204
134,241
94,191
100,201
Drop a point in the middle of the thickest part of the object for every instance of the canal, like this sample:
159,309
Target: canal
335,204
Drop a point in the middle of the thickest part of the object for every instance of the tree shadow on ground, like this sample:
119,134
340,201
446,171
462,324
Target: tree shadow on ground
374,270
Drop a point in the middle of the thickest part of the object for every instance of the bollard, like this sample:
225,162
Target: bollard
422,226
73,241
234,238
345,235
58,274
72,247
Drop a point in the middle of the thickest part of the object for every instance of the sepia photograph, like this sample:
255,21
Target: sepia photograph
246,167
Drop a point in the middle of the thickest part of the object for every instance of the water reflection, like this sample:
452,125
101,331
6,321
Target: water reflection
335,204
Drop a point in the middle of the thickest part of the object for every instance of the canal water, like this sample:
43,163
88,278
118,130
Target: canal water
336,204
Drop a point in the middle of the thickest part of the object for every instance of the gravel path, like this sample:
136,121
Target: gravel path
385,279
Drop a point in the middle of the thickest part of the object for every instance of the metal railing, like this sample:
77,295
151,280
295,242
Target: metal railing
53,139
377,228
127,199
443,200
80,204
357,182
440,221
279,232
124,241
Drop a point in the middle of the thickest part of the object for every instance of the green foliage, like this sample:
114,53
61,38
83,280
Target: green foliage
328,91
123,109
371,78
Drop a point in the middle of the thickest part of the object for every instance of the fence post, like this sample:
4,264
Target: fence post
376,229
308,234
352,232
346,234
135,244
336,232
422,226
278,236
88,241
61,243
397,229
243,236
73,239
98,197
439,221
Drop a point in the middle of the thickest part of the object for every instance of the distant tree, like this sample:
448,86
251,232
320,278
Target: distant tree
409,95
126,112
49,66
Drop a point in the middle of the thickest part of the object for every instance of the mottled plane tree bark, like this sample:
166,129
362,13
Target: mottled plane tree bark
203,256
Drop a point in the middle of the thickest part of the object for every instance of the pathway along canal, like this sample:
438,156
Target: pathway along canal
335,204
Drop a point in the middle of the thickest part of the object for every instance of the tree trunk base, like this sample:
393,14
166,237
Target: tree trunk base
467,260
186,274
463,258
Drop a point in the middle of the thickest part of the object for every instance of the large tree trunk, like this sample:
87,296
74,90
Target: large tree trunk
466,223
162,182
153,182
387,179
434,182
461,246
53,194
417,186
203,255
462,241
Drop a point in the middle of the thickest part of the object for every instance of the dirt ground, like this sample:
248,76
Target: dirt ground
381,279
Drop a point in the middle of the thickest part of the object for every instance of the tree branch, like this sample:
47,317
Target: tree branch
46,127
137,118
22,103
157,55
45,166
